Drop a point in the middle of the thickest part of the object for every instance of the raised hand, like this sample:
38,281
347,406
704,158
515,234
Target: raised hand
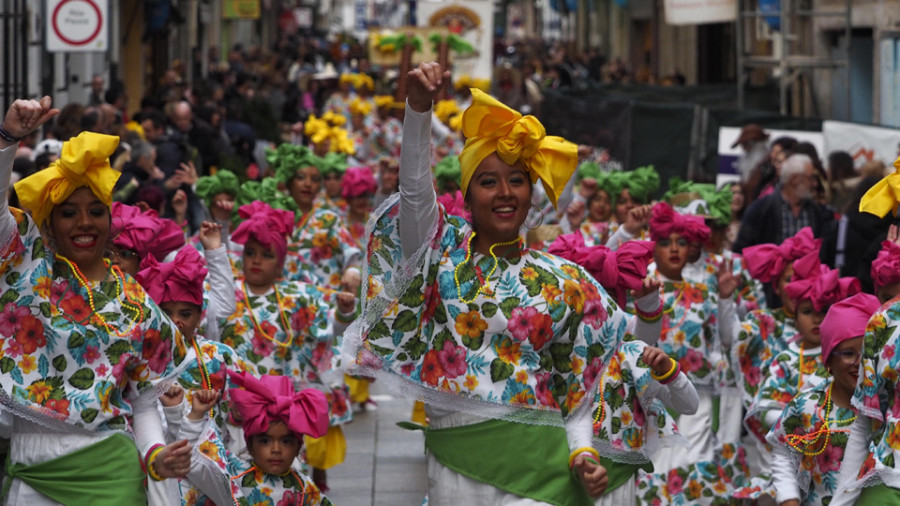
201,402
23,116
174,461
210,235
637,218
346,302
657,360
894,234
728,282
424,83
172,397
649,285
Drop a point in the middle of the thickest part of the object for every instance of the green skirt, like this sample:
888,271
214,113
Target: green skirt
881,494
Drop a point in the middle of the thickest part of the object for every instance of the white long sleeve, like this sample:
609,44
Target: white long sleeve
212,482
728,322
680,395
7,223
855,454
621,236
148,429
222,302
418,202
579,427
784,474
647,332
174,415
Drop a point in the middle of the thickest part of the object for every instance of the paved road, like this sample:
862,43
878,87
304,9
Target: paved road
385,464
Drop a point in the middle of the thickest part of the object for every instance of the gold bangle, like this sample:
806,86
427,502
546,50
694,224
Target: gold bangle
150,460
667,375
579,451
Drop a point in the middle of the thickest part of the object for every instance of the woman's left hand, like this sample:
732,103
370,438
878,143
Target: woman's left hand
728,282
174,461
592,476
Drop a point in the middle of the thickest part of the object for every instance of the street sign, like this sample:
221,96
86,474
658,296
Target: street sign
77,25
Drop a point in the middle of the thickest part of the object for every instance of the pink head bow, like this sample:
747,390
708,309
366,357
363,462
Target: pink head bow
178,281
454,204
617,271
847,319
766,262
358,181
817,283
271,227
886,267
145,233
664,221
270,398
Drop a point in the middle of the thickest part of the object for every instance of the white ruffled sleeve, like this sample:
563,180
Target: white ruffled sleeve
418,202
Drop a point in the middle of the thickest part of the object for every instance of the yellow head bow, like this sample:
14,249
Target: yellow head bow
884,197
361,107
490,126
346,79
84,161
383,101
364,80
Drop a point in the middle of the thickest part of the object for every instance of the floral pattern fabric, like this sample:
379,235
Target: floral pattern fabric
877,396
704,483
535,336
763,335
320,250
818,474
628,420
305,350
784,381
58,361
596,234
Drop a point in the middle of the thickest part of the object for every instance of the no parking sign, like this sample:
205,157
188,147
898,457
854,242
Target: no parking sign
77,25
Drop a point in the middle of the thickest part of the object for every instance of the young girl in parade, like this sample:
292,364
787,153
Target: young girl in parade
275,419
810,437
85,352
503,343
332,166
886,267
320,250
598,226
801,366
177,287
286,327
138,234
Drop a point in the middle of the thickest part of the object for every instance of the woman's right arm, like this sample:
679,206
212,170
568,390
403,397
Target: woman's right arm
418,202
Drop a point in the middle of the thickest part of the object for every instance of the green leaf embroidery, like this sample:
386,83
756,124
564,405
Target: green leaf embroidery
60,363
500,370
88,415
83,379
406,321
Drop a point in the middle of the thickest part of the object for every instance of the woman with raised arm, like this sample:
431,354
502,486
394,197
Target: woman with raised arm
503,343
85,352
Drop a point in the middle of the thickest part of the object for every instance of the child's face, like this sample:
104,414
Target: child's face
184,315
808,321
262,266
844,363
275,450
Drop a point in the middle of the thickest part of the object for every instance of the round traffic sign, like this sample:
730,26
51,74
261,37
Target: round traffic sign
77,22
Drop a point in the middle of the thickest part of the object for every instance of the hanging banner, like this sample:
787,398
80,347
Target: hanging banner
864,143
473,20
77,26
240,9
698,12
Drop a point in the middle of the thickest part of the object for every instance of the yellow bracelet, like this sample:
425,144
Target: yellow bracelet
579,451
152,458
668,374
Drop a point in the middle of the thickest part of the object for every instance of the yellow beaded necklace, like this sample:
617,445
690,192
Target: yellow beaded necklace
130,304
487,280
287,328
805,443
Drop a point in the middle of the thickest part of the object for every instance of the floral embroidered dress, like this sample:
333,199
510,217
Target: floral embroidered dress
385,138
878,398
533,340
339,104
787,376
320,250
596,234
812,471
763,335
60,366
288,332
338,205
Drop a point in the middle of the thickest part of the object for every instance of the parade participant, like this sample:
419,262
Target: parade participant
275,419
138,234
486,332
339,102
801,367
332,166
388,175
177,287
358,188
285,328
886,267
598,225
810,437
386,128
361,131
81,427
447,175
220,192
636,188
320,249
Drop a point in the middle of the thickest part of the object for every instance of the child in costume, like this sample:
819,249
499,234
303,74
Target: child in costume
810,437
275,420
285,327
886,267
138,234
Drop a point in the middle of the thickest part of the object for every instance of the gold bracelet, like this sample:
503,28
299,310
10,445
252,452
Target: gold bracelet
667,375
579,451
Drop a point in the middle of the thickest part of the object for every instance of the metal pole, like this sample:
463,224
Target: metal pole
739,48
849,43
783,78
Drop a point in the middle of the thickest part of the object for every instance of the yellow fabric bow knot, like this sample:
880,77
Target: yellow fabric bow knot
84,161
489,126
884,197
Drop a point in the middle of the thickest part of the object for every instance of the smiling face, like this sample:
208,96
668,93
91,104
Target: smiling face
185,316
304,187
499,197
261,265
275,450
600,208
808,321
80,227
671,255
843,363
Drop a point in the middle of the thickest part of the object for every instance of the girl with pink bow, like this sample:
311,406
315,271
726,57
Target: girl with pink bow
886,267
275,419
287,328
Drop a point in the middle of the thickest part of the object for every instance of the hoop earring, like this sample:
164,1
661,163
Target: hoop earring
537,210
